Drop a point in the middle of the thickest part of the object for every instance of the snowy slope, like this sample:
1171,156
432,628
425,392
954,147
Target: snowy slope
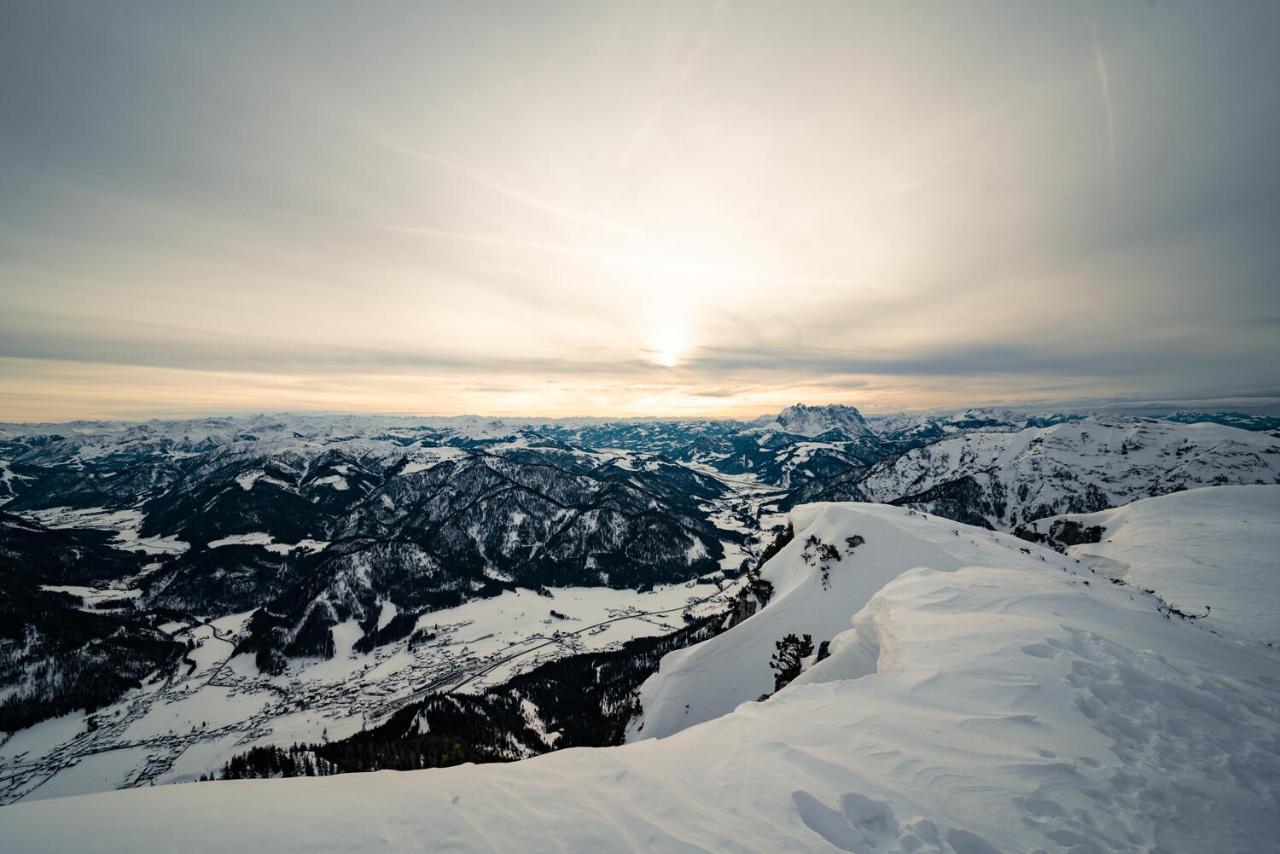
1217,547
1016,706
708,680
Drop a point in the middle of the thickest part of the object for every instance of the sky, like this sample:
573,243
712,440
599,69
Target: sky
634,209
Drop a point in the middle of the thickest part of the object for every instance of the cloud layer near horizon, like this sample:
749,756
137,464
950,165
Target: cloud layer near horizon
634,208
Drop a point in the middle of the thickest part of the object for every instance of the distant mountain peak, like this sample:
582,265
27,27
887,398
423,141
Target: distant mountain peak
804,420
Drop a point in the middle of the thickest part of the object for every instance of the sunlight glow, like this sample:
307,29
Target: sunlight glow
667,358
669,345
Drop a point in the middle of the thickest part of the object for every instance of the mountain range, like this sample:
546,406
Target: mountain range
337,570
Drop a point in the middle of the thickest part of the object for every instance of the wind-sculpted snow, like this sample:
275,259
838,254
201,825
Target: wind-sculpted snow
1023,703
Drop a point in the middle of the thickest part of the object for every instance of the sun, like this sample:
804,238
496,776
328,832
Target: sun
668,344
667,358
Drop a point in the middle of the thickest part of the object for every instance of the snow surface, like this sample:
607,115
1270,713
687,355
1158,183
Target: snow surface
257,538
1018,705
336,481
425,458
210,707
93,774
249,478
268,542
35,741
1217,547
124,523
93,596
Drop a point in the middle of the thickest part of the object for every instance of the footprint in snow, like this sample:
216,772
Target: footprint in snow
866,825
860,825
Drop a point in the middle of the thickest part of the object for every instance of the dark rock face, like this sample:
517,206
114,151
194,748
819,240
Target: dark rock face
1061,533
823,421
1072,533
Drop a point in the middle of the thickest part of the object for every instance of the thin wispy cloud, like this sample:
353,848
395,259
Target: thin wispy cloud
500,187
678,79
1104,88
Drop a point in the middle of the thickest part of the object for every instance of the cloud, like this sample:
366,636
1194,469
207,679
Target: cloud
526,210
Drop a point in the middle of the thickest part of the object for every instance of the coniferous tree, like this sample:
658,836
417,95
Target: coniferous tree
787,660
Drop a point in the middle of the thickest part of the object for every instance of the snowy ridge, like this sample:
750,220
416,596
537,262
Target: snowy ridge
1014,705
1212,551
710,679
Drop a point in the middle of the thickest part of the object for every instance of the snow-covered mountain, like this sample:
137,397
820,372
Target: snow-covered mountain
1244,420
977,693
812,421
1005,478
823,564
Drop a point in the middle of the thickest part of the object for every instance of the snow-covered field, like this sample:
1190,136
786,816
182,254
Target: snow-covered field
125,524
988,695
259,538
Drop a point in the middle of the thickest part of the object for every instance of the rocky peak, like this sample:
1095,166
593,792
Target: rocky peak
804,420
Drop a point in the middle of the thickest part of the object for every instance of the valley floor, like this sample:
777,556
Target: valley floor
175,730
